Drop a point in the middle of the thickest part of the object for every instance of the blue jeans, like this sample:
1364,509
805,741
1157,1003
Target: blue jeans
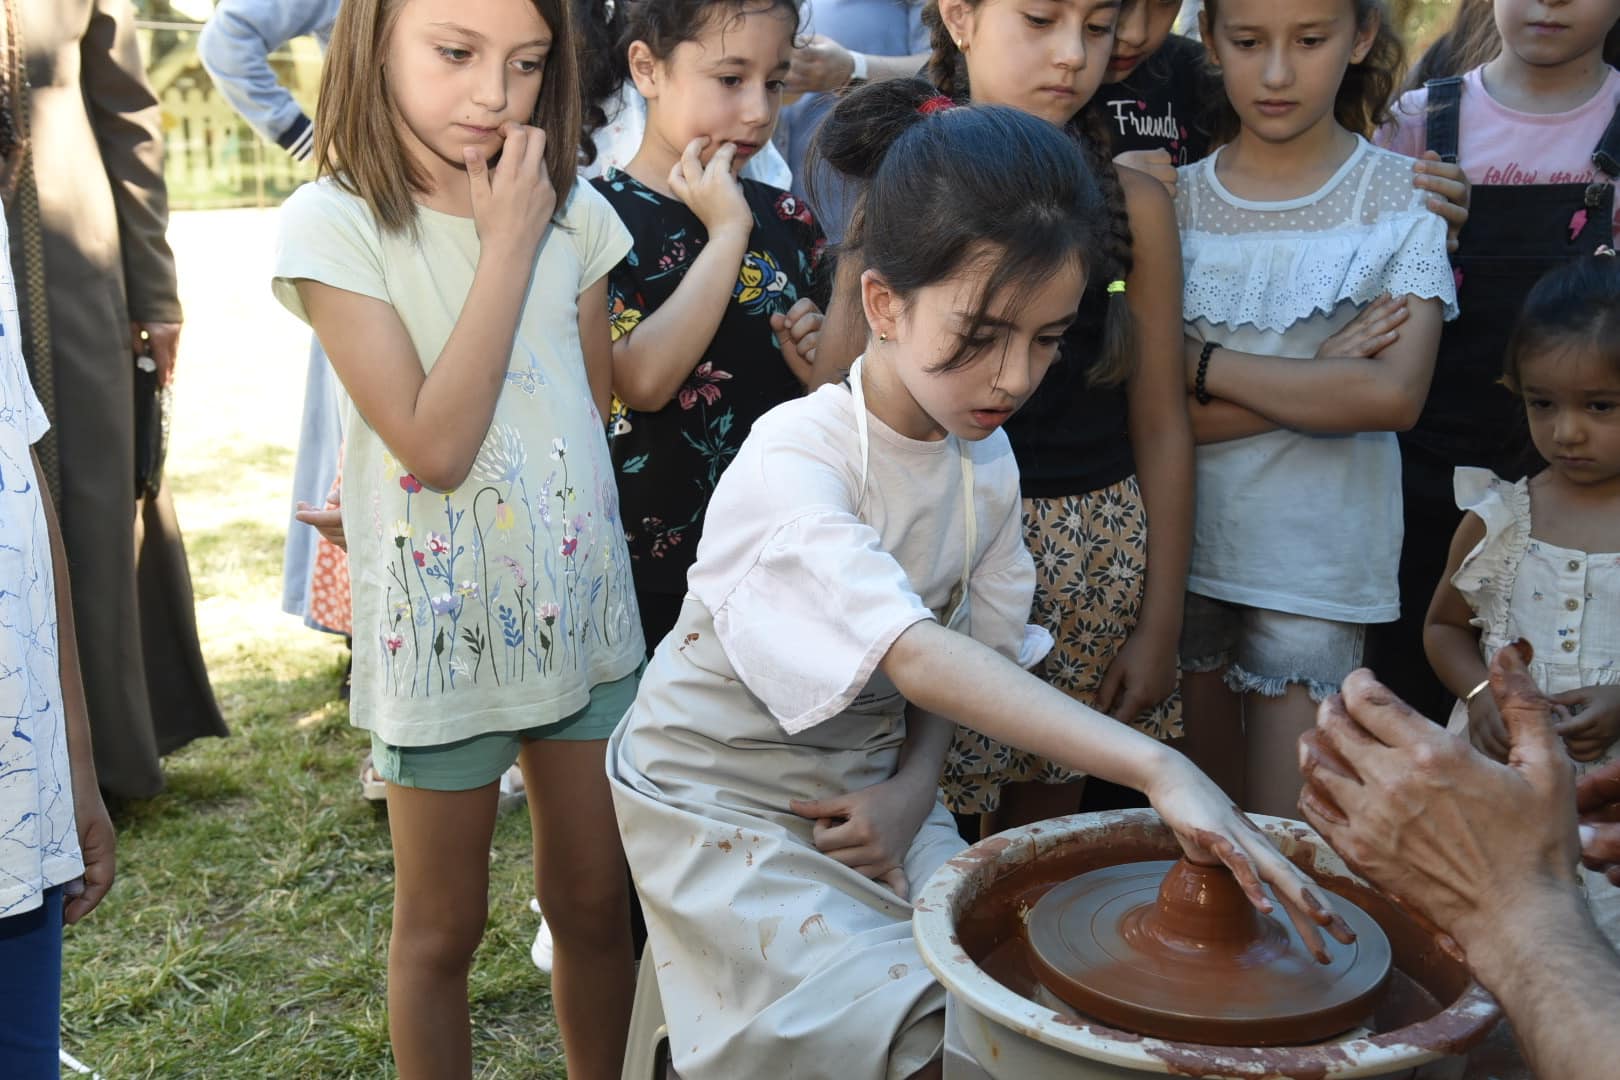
31,991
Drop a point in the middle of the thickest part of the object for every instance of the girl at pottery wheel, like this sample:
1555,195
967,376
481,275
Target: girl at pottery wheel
861,585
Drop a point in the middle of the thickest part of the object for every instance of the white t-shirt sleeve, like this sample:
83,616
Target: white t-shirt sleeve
1001,592
805,600
601,237
327,236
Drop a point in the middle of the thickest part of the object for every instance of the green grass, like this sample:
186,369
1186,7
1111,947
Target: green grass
247,933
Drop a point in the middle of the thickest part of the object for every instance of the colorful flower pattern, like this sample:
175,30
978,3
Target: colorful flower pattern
668,461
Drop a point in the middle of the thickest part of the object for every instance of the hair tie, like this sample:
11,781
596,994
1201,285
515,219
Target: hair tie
1116,286
937,103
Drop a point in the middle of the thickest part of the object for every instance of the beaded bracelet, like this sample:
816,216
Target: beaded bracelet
1199,391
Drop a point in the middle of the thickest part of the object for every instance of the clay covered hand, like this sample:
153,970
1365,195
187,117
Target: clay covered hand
1590,720
1597,800
1463,840
1211,830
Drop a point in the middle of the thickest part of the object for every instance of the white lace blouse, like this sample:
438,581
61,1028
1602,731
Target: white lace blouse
1290,521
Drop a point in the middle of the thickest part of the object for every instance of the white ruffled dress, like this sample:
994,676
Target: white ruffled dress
1286,520
1565,603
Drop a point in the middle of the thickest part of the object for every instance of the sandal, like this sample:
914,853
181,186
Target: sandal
373,788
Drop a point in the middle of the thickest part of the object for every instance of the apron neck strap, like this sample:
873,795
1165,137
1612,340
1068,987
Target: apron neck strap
863,434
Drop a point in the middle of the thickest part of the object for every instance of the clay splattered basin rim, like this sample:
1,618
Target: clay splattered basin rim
958,883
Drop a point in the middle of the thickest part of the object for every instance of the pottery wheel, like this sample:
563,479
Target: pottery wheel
1176,951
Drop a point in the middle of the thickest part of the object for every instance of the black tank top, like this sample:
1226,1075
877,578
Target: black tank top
1071,438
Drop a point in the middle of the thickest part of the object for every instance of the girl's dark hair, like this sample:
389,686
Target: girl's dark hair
1473,40
1113,258
1574,305
947,187
606,29
1368,88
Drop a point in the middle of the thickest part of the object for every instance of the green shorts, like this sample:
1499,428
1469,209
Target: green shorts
472,763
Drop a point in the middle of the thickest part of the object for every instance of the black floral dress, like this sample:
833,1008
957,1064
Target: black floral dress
667,462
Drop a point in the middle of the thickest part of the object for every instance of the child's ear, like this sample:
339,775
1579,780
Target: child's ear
957,16
644,69
1366,35
881,305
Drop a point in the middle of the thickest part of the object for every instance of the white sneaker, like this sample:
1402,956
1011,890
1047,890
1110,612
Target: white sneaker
540,951
513,794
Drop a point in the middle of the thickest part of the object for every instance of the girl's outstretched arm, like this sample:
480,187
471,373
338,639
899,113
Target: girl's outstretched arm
652,361
1345,388
435,421
1144,672
951,674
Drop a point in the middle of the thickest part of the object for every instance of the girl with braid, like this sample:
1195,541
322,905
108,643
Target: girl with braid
1103,446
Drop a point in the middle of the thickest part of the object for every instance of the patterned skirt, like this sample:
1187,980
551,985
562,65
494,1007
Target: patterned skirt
1090,570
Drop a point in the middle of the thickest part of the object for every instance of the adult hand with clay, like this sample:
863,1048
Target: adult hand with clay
1597,800
1485,850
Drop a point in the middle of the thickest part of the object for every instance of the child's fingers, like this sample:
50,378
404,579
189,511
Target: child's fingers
534,154
477,177
723,158
691,164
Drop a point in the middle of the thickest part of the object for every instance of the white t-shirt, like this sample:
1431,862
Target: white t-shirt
497,606
1288,521
39,842
810,585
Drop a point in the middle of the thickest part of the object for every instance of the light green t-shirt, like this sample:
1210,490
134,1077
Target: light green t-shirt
497,606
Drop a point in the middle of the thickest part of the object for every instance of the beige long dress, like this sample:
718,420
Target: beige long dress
97,165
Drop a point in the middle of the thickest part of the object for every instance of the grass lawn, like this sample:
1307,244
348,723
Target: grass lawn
246,935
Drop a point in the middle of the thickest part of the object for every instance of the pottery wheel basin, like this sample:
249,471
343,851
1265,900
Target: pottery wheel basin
1176,950
973,917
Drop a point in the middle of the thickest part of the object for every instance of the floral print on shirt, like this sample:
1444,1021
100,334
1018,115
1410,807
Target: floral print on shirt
669,461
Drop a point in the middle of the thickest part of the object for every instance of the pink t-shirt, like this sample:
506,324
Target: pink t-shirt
1498,145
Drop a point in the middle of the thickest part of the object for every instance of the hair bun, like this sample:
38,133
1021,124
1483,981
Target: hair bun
866,123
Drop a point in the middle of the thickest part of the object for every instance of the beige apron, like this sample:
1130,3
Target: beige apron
773,959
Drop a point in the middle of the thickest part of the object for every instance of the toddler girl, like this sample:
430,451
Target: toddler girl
1539,558
456,276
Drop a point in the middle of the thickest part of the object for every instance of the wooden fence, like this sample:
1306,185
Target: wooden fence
212,157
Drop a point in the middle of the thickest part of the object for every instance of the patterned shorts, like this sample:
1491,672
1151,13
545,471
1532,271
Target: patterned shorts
1090,569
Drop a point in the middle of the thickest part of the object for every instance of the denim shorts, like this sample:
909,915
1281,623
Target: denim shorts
1265,652
472,763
